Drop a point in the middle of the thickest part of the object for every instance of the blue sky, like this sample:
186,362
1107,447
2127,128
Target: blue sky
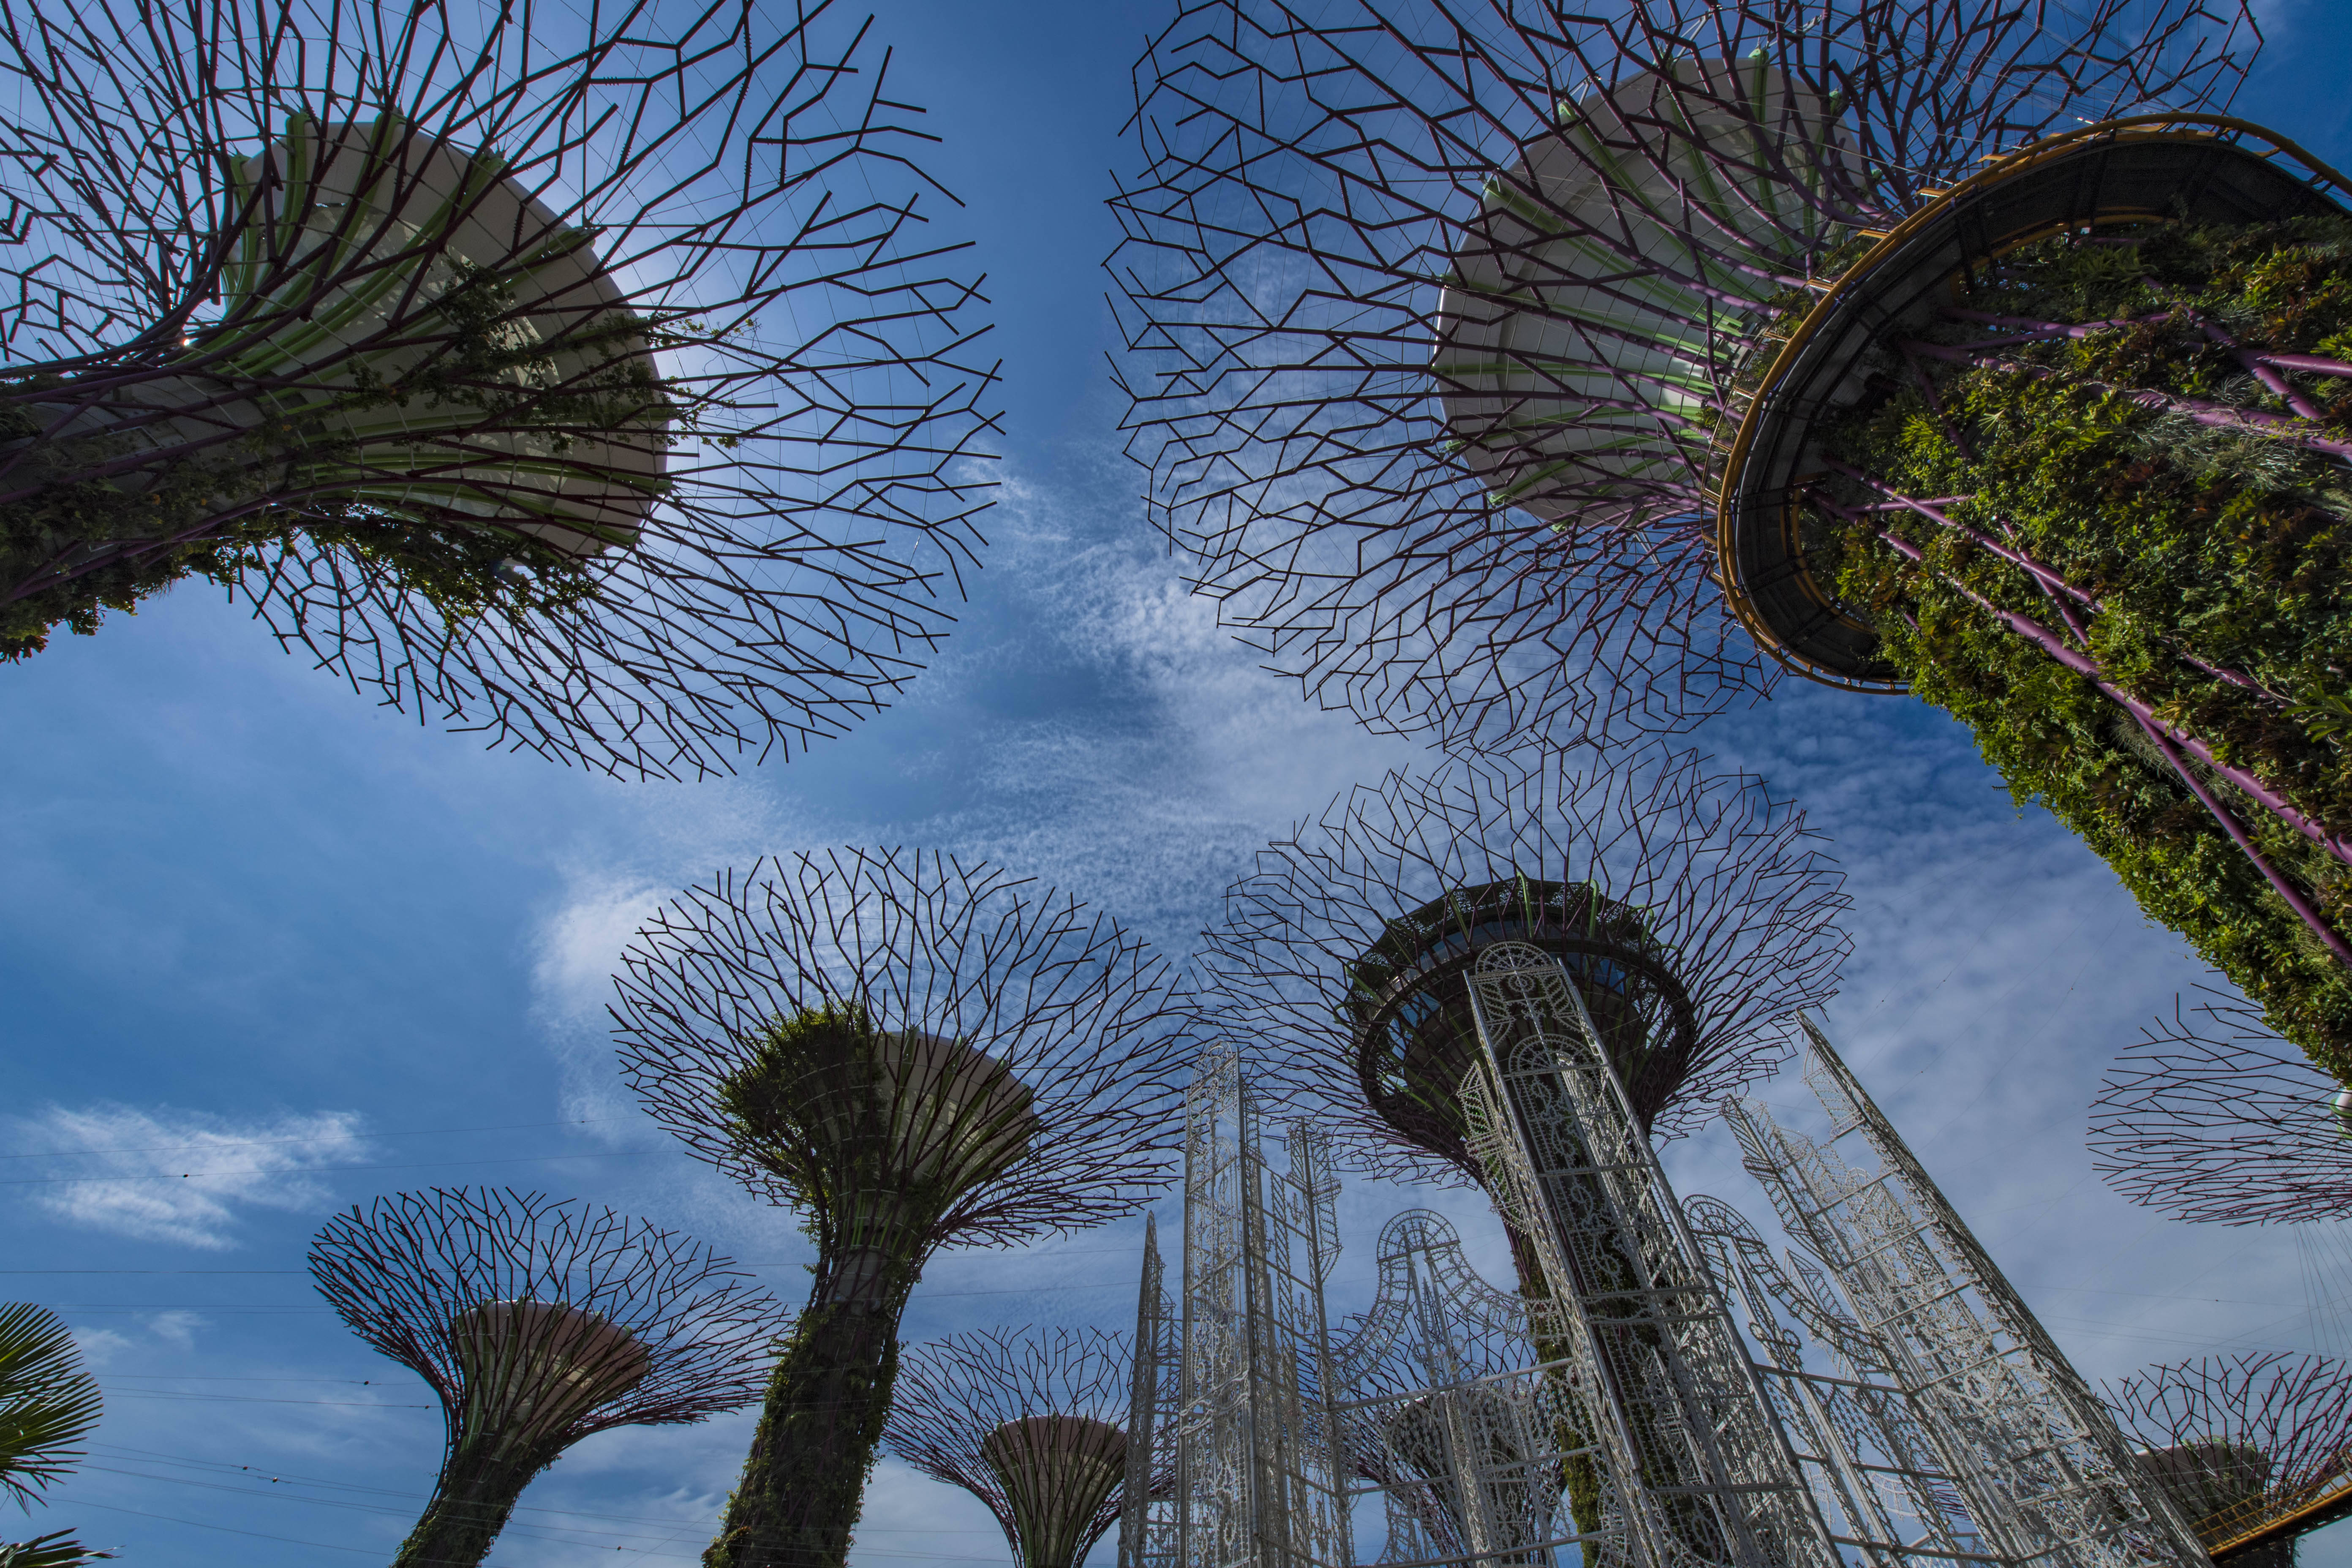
255,930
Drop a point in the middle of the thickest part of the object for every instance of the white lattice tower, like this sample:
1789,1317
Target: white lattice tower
1255,1478
2045,1473
1457,1415
1870,1455
1703,1473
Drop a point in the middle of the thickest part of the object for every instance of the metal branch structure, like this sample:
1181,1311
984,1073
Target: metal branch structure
1031,1424
537,1323
1436,313
2213,1117
913,1052
1695,910
1516,369
2045,1473
590,379
2257,1448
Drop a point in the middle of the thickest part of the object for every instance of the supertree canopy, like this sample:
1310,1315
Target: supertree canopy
583,378
2210,1116
537,1323
1512,370
1693,911
1029,1423
912,1052
2252,1447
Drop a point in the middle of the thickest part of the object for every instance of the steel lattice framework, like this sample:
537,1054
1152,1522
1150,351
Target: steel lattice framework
914,1053
1241,1425
2212,1117
2045,1473
1029,1423
1436,313
2255,1448
590,379
537,1323
1701,1470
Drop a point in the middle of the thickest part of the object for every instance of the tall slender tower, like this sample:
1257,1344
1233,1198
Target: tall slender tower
913,1053
1515,369
537,1324
1515,972
2046,1472
2257,1448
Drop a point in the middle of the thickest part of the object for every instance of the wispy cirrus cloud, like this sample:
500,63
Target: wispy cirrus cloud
173,1176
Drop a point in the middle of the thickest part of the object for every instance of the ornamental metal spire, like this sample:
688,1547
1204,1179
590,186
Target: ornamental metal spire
592,380
2213,1117
914,1053
2045,1473
1512,371
537,1323
1029,1423
2257,1448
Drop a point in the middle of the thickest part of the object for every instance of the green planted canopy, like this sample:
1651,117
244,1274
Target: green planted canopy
2143,463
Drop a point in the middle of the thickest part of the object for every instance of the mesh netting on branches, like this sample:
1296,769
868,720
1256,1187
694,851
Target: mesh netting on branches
2212,1117
593,378
1434,312
1705,887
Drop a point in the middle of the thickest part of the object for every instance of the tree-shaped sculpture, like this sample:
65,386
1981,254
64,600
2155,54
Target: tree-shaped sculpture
538,1323
1694,911
915,1053
588,380
1673,918
47,1405
1029,1423
2210,1116
2257,1448
1510,370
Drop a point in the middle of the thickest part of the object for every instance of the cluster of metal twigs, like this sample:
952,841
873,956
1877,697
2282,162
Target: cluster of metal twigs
1726,877
2261,1436
679,1330
2212,1117
1016,1417
1063,999
1329,193
818,393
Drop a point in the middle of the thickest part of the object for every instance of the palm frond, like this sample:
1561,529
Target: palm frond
47,1403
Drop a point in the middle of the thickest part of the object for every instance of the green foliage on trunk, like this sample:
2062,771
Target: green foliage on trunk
2225,546
480,1484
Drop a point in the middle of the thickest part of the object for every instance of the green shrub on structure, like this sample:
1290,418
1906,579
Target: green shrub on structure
2203,546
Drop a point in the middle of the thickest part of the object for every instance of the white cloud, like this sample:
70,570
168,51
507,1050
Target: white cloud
98,1347
178,1327
172,1175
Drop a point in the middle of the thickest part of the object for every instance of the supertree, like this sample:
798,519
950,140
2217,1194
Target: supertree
587,379
1508,371
2210,1116
537,1323
1028,1423
914,1052
1383,964
2254,1448
1694,910
48,1404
